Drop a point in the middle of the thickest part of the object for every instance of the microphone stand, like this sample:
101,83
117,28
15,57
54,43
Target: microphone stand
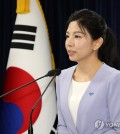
30,129
50,73
22,86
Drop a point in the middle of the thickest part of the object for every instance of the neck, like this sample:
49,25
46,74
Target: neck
85,71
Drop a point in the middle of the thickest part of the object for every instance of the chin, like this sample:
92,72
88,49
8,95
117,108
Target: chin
72,59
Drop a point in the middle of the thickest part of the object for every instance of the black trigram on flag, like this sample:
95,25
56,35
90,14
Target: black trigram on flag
24,37
54,129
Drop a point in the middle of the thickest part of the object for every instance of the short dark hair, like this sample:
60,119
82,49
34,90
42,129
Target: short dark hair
96,25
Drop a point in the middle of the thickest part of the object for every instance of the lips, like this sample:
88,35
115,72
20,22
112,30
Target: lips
70,52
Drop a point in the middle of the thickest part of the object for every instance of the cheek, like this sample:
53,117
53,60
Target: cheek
83,44
84,48
66,44
79,45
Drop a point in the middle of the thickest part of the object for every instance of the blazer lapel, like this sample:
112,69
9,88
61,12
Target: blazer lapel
64,96
89,92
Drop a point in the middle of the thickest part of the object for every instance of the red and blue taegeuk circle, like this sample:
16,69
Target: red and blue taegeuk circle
15,108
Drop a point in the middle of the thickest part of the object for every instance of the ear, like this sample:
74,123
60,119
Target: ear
97,43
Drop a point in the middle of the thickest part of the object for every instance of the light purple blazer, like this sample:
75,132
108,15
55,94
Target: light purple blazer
99,108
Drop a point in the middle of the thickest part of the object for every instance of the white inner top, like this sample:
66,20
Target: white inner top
76,92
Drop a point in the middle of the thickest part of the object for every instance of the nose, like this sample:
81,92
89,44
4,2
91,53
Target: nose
69,42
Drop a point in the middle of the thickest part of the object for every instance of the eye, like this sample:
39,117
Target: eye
77,36
67,36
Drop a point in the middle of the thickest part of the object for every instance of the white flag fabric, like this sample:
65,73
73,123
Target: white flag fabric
29,59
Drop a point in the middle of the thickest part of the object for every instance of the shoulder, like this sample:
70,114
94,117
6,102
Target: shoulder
64,78
70,69
112,72
66,73
112,75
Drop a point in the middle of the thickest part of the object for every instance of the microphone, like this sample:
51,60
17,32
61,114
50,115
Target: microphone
50,73
53,73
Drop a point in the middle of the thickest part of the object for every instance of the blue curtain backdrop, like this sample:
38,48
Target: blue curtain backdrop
56,14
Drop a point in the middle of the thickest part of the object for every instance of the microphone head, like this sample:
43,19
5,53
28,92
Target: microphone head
57,71
54,72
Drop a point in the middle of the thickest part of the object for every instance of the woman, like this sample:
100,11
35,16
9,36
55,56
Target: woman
88,94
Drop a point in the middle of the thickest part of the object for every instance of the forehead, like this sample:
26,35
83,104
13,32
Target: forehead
74,26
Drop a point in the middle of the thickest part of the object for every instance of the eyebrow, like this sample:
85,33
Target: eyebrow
76,32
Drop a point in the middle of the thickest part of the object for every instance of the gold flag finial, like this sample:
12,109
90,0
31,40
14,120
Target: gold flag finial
23,6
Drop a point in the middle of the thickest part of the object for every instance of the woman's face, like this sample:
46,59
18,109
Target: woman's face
79,45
